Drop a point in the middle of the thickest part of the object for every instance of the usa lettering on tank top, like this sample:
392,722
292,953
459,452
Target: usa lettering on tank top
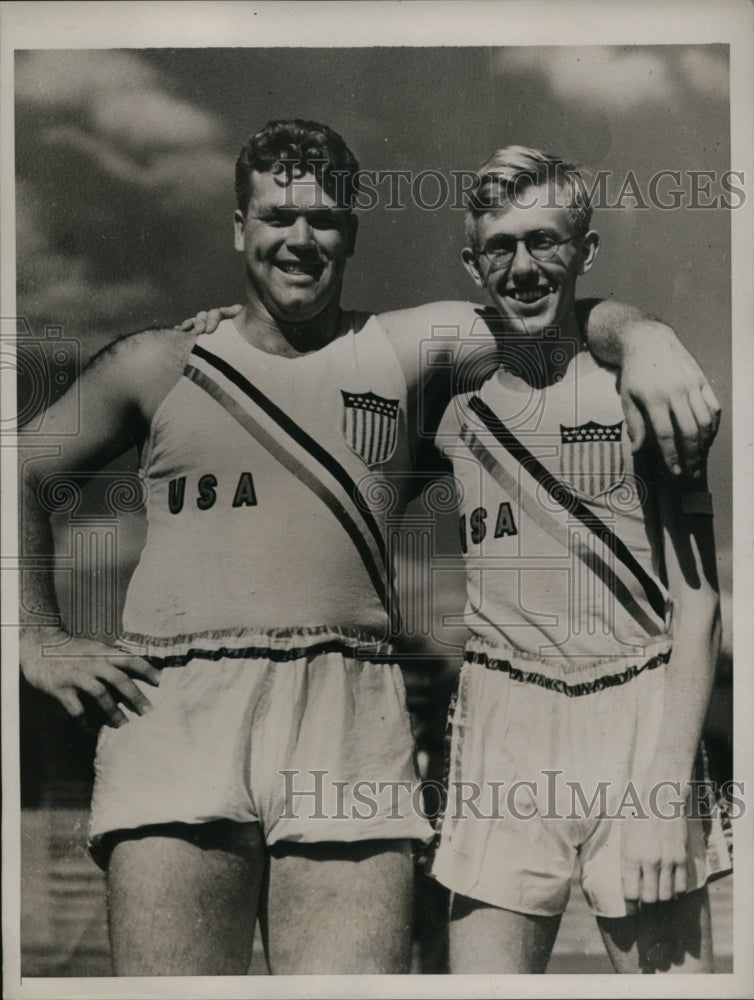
263,477
558,527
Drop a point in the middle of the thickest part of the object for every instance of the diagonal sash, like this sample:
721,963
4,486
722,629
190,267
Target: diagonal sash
342,496
559,532
563,495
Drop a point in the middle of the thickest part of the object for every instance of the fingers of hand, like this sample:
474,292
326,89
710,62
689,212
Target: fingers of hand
214,318
98,691
688,433
71,702
207,321
650,879
712,403
664,431
663,881
705,420
666,883
107,684
634,422
641,881
134,666
706,410
129,693
632,880
198,324
681,880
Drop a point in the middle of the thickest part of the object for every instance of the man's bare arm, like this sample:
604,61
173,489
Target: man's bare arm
663,389
654,862
662,386
102,416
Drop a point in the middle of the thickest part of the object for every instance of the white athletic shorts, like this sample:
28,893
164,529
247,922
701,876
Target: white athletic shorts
289,728
540,755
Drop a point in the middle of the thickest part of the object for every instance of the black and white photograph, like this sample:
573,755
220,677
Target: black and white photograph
376,448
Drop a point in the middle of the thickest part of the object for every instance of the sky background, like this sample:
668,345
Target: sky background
124,168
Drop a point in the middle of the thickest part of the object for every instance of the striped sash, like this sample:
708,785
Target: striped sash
304,457
561,494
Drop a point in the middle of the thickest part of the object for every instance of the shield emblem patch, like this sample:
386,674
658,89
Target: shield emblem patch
591,458
370,425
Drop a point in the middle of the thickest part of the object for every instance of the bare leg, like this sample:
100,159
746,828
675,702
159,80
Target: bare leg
340,908
182,899
485,938
662,937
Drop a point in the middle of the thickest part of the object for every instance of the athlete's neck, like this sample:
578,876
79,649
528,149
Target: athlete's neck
542,359
274,336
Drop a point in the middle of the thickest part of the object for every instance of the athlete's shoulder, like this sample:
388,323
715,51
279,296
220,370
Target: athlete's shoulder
160,345
140,368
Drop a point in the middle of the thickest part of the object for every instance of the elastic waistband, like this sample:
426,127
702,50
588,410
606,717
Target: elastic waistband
277,644
593,678
574,663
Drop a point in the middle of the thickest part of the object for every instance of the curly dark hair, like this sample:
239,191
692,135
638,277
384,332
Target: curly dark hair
297,146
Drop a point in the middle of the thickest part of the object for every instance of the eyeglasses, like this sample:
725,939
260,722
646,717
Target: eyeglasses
541,245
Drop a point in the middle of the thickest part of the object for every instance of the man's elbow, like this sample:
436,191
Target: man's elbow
700,615
708,619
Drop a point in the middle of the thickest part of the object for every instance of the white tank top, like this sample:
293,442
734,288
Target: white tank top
268,486
540,579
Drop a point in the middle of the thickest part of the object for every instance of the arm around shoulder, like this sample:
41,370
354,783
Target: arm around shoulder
453,326
663,389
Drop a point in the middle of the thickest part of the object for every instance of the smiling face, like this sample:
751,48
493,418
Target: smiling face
296,240
531,293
